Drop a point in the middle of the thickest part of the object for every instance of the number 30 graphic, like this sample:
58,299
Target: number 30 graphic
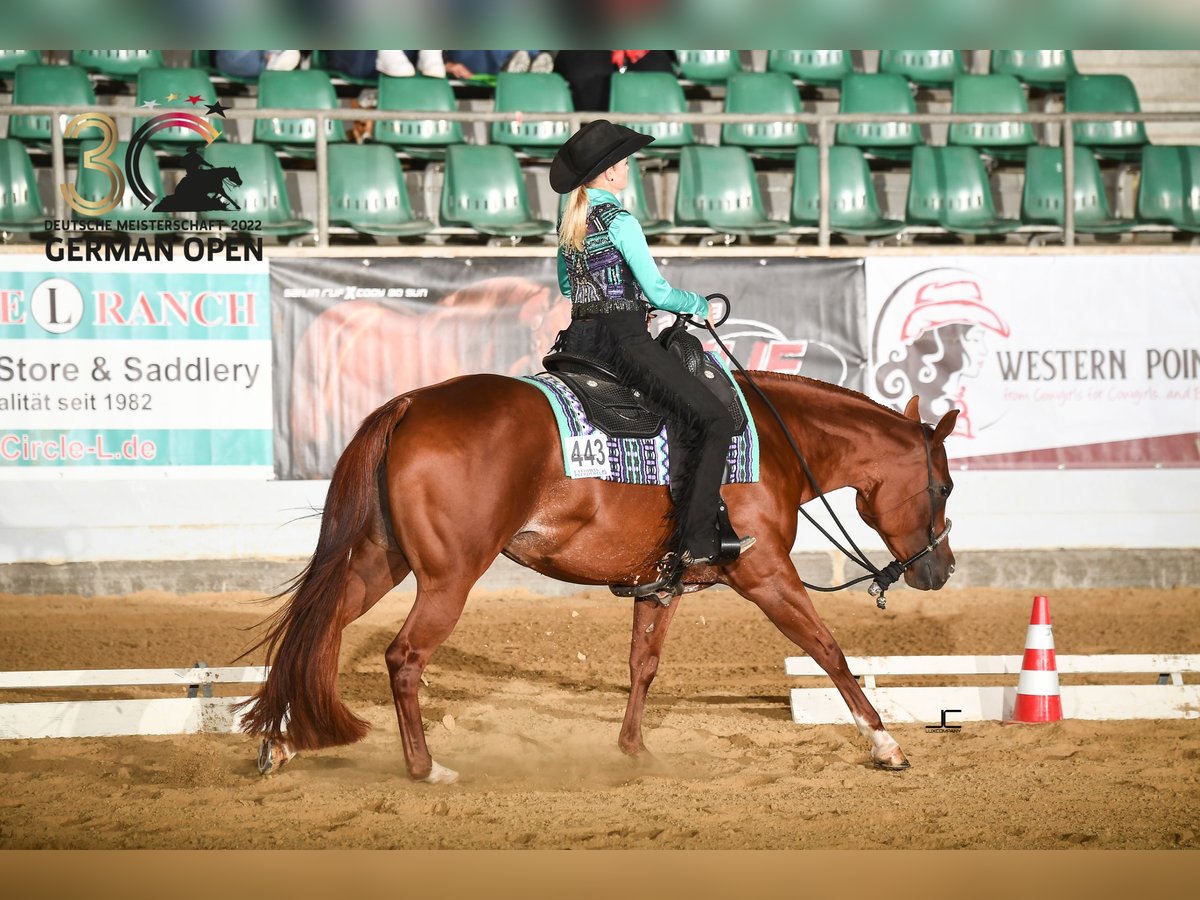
98,159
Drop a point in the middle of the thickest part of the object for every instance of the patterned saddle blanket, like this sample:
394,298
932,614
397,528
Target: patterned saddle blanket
607,433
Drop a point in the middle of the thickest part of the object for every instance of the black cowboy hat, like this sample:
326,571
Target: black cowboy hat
591,150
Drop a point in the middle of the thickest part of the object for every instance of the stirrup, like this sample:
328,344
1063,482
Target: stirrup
665,588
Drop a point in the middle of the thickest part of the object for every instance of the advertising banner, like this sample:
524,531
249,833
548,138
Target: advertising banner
119,367
348,336
1085,361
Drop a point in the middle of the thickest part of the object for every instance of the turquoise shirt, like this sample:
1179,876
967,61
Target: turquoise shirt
626,234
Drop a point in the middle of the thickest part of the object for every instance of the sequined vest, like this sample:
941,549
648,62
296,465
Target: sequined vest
601,280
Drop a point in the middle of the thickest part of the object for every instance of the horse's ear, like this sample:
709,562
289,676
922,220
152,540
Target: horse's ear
945,427
913,410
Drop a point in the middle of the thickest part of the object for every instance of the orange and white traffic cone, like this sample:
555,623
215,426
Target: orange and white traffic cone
1038,695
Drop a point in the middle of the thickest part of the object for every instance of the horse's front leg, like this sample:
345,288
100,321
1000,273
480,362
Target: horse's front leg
650,622
771,582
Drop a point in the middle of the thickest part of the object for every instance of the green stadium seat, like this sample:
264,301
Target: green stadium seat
94,185
10,59
367,192
653,92
484,189
991,94
949,188
297,89
422,138
123,64
821,68
1045,69
1113,94
928,68
532,92
158,84
262,193
853,207
20,205
1169,191
1042,198
708,66
46,86
880,93
764,92
718,190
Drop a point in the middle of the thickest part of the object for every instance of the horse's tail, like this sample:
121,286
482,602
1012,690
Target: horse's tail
304,636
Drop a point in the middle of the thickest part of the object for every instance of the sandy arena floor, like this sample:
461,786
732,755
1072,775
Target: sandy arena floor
526,698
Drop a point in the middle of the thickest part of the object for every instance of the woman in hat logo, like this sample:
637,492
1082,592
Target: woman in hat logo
606,270
942,324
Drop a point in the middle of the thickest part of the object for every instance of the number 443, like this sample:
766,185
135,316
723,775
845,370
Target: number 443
589,455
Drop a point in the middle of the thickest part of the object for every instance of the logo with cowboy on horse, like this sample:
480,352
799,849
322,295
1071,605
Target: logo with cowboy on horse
203,188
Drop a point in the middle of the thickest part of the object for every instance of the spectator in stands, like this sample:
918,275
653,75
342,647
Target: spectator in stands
589,72
468,63
364,64
252,63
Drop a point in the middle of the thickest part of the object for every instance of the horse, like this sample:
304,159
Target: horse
202,191
442,480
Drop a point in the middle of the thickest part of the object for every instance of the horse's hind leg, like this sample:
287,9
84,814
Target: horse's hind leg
650,622
434,614
373,572
774,586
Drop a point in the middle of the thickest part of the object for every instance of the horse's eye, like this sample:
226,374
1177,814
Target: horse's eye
946,489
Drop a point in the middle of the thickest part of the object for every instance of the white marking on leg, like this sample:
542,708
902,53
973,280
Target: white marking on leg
882,743
439,774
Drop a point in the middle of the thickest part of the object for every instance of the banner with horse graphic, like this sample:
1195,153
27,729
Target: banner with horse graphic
1072,361
347,337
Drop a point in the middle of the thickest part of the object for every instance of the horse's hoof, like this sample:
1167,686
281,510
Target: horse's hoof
892,761
273,755
439,774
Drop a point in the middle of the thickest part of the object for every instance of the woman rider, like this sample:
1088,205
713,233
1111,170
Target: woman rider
605,269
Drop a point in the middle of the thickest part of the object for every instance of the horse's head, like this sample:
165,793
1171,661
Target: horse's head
231,174
907,506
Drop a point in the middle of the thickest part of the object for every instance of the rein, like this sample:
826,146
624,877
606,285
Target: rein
881,579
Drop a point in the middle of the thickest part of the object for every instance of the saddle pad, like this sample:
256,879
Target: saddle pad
589,452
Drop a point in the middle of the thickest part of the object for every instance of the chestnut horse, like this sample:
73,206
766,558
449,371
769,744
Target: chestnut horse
442,480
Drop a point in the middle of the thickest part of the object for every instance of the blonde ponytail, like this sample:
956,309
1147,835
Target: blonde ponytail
573,227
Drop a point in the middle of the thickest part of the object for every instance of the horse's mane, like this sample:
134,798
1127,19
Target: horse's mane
825,387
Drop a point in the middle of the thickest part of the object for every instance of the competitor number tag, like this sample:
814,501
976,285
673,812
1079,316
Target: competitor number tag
588,455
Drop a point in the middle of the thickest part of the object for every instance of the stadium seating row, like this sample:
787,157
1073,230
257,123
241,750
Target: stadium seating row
632,92
1046,69
484,190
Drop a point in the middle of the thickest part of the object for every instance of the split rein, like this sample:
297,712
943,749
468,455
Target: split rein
881,579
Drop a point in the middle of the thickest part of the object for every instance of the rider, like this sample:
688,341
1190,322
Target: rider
606,270
193,162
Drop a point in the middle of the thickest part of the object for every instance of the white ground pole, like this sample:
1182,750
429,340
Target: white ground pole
197,712
1166,696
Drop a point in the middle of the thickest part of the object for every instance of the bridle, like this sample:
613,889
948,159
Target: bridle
890,574
881,579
